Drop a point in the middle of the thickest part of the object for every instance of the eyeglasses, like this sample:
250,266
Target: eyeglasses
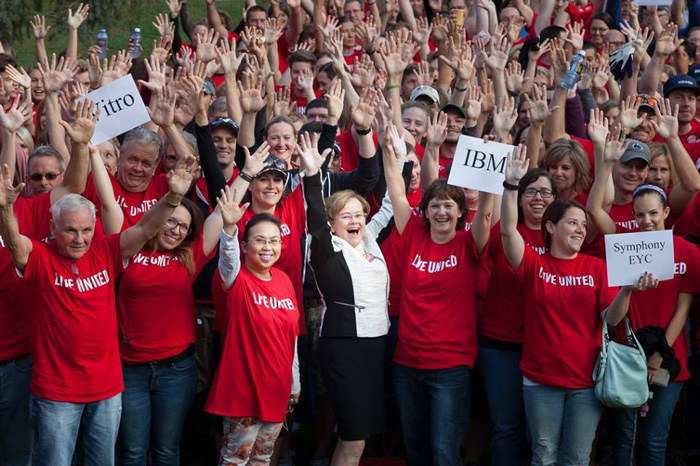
50,176
348,217
599,29
544,193
171,224
260,241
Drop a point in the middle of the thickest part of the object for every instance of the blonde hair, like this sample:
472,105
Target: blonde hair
563,147
658,149
338,200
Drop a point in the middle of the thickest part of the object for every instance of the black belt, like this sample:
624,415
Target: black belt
172,359
10,361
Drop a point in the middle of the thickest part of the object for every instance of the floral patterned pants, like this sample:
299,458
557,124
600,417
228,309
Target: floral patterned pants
249,441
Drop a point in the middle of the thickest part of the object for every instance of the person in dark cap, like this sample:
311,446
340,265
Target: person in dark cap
682,91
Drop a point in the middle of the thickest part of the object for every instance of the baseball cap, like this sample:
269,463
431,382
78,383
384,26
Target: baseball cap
225,122
427,91
636,150
694,72
274,164
646,101
680,81
454,108
209,87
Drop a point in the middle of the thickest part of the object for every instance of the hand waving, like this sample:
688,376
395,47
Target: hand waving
83,127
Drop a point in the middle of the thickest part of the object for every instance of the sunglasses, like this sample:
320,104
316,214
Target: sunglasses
50,176
645,99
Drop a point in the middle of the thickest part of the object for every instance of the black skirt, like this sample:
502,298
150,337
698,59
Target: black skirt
353,373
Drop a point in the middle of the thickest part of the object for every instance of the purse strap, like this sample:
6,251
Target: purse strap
631,337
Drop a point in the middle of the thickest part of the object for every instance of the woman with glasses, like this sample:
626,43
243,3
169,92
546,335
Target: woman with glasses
501,320
353,279
157,325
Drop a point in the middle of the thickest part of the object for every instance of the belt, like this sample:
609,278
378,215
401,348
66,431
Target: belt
10,361
172,359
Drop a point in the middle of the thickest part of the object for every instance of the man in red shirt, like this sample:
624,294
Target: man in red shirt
682,90
77,377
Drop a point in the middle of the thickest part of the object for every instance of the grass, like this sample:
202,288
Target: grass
119,29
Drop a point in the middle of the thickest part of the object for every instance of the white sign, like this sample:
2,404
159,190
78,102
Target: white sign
652,2
479,165
122,109
629,255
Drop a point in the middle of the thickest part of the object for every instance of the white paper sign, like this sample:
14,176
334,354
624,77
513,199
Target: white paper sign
652,2
122,109
479,165
629,255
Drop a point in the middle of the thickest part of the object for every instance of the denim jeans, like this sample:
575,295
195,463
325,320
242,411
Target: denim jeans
56,426
434,409
503,383
156,400
562,424
15,428
653,428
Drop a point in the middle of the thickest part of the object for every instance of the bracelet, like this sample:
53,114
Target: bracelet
363,132
391,86
460,89
174,206
511,187
245,176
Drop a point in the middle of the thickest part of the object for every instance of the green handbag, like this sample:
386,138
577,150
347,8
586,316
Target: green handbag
620,373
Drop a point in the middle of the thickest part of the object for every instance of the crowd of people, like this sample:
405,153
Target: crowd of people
281,234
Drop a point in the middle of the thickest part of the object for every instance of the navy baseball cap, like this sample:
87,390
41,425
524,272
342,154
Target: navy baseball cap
225,122
694,72
680,81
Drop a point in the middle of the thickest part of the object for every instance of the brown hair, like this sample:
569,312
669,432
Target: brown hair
563,147
554,212
338,201
183,251
439,189
280,119
658,149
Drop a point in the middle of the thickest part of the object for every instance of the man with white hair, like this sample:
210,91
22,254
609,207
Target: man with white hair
77,378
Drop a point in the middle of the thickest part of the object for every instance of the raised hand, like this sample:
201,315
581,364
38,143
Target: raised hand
498,57
14,118
598,126
230,211
272,31
423,30
368,32
250,88
83,127
575,36
39,27
398,143
81,14
283,104
162,109
311,160
8,193
517,165
228,57
441,28
161,48
305,80
335,99
666,124
615,144
206,46
462,62
363,72
515,77
601,76
473,102
19,76
156,75
390,51
175,6
629,113
505,116
536,52
56,75
668,41
256,162
362,115
115,68
164,26
437,130
538,109
180,178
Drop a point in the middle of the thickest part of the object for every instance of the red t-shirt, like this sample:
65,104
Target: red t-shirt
657,306
75,349
202,192
134,205
623,216
690,140
562,303
350,153
438,308
350,58
255,374
501,317
443,162
293,216
15,308
157,317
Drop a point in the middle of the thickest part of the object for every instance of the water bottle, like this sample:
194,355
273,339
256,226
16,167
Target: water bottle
572,75
102,42
135,42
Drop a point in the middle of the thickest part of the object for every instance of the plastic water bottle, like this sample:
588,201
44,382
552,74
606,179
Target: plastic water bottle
102,40
572,75
135,42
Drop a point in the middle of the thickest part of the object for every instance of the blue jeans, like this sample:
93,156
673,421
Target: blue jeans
653,428
15,428
434,409
562,424
56,426
156,400
503,382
